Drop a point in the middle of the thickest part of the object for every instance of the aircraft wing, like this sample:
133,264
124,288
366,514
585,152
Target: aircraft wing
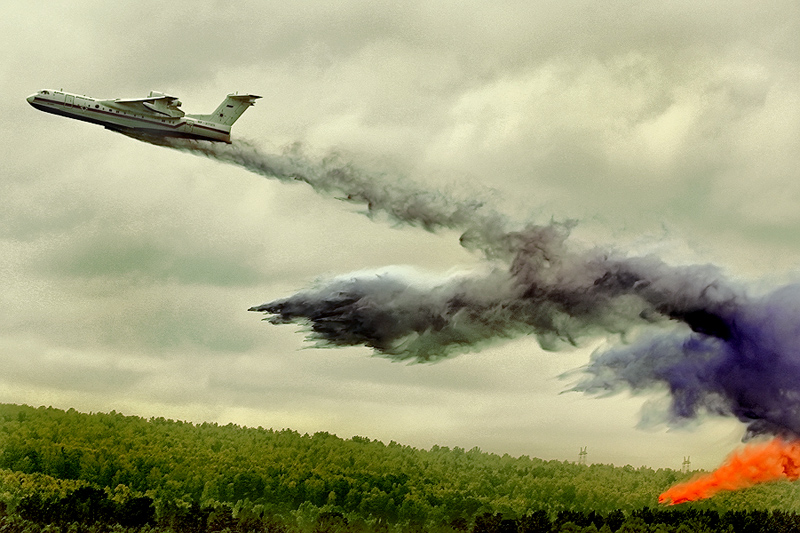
163,104
152,98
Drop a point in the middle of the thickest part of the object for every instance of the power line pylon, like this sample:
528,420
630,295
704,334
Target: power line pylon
582,456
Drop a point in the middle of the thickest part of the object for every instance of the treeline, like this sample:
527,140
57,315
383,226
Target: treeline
87,511
205,477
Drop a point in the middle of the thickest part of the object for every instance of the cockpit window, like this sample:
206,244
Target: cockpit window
45,92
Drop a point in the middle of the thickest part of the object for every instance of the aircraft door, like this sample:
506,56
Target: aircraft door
69,100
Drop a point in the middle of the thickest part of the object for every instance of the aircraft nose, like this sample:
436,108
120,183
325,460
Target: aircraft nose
31,98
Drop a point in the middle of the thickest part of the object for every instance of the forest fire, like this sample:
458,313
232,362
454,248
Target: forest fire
775,460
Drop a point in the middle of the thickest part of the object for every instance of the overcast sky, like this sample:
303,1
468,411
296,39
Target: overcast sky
669,128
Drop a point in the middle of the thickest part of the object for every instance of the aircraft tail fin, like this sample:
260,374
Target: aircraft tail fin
230,109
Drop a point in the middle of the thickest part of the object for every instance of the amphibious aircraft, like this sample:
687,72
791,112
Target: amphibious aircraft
158,115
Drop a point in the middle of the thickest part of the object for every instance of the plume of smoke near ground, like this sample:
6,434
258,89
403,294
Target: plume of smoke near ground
731,355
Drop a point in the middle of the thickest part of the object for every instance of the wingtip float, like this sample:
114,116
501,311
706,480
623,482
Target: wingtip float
157,115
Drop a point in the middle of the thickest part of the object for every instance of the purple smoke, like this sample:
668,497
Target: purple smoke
753,373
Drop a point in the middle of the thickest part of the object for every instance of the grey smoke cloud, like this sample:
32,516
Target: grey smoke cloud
535,281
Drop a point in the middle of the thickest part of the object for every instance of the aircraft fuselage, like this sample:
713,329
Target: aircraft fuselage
157,115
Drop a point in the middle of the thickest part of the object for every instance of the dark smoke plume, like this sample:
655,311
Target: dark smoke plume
752,373
723,351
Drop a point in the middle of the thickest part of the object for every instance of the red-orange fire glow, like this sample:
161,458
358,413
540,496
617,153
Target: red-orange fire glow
755,463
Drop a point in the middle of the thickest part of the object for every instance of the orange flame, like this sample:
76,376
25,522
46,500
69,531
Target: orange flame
757,463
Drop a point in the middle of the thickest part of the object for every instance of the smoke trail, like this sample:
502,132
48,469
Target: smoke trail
726,353
397,198
757,463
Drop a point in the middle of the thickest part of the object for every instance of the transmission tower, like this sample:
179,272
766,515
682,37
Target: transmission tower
687,465
582,456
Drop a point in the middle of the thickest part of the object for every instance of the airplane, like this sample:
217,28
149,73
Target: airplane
158,115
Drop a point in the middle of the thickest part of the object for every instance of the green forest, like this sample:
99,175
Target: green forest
74,472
